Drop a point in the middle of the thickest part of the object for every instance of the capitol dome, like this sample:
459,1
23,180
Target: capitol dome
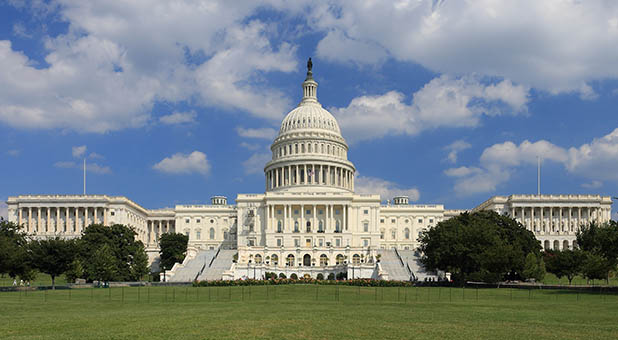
309,152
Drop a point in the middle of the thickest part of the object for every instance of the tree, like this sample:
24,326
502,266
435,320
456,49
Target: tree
595,267
75,271
139,265
15,259
52,256
173,248
481,246
534,267
600,240
127,253
103,264
564,263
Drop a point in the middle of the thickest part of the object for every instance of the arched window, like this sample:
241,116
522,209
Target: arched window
308,226
274,259
556,245
320,227
337,227
258,258
406,233
279,227
212,233
546,245
323,260
339,259
296,227
565,244
356,259
290,260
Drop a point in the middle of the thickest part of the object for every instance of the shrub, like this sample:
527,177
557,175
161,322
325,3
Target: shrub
282,276
294,276
341,276
331,276
320,276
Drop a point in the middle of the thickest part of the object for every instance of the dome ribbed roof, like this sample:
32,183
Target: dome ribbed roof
309,116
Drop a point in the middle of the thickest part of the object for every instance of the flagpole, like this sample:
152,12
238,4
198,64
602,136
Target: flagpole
84,176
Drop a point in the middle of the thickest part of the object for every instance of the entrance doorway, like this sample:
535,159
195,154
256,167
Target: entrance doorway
307,260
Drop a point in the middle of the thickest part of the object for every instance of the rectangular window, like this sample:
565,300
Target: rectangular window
337,242
198,235
197,221
279,242
295,212
431,220
308,242
296,242
366,212
320,212
251,242
321,242
308,212
113,213
393,220
187,220
420,220
381,220
365,243
336,212
278,211
366,227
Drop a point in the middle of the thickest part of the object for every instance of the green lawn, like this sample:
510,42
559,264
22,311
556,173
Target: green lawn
306,312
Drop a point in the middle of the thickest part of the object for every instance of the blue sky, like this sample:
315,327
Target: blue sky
446,101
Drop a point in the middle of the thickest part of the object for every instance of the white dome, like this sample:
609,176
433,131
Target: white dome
309,116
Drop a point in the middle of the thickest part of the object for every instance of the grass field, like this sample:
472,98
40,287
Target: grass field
307,312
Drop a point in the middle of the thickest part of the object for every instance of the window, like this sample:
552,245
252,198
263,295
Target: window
187,221
407,220
258,258
274,259
320,212
296,227
308,226
431,220
279,242
250,242
187,233
278,211
338,242
339,259
393,220
356,259
365,243
337,227
290,260
308,212
406,233
308,242
366,212
381,234
279,227
197,221
198,235
336,212
366,227
320,227
420,220
296,242
381,220
212,233
113,213
393,234
321,242
323,260
251,227
295,212
211,221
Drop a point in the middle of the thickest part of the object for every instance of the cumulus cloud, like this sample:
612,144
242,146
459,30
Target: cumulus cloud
178,118
255,163
595,161
250,146
262,133
443,102
117,59
180,163
386,189
78,151
454,148
540,44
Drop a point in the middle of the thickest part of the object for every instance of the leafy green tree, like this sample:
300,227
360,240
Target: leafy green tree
564,263
52,256
103,264
534,267
15,259
173,248
139,265
595,267
600,240
479,246
75,271
127,252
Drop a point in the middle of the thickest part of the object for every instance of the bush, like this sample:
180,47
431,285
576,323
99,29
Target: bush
294,276
283,281
282,276
331,276
320,276
342,276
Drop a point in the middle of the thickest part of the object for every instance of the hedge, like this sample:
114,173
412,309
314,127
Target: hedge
252,282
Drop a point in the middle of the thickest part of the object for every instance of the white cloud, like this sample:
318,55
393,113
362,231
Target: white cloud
551,45
454,148
595,161
94,155
443,102
386,189
78,151
178,118
180,163
250,146
262,133
20,30
255,163
90,167
118,58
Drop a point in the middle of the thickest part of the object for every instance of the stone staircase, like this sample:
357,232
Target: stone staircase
221,263
189,271
413,260
392,265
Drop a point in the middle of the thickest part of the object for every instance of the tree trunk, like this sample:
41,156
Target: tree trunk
53,282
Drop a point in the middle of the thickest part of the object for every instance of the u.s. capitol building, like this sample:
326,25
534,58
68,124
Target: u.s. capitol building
309,221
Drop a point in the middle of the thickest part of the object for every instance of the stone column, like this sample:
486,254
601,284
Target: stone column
285,216
532,221
579,218
57,219
66,219
48,221
542,217
302,216
30,228
38,220
344,212
19,218
314,224
76,226
551,219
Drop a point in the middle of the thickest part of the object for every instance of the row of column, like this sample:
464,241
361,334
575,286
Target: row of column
156,228
330,222
592,214
80,218
310,174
